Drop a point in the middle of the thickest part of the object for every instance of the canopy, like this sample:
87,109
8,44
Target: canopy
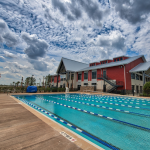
31,89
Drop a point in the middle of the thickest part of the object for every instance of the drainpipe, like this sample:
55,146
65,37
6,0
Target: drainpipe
124,77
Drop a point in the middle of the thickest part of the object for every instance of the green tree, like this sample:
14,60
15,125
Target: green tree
30,81
146,88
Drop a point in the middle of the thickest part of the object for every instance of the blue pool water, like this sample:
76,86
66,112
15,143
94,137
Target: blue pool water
108,121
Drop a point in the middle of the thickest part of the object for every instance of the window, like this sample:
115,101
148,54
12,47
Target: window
101,62
93,83
93,64
137,77
79,76
118,59
132,76
115,60
72,76
106,62
141,78
61,79
85,75
52,79
85,83
121,58
94,75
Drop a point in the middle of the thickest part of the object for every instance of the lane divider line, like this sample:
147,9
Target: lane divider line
124,122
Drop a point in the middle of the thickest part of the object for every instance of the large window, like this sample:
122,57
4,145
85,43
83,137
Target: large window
137,77
118,59
79,76
121,58
132,76
94,75
141,78
52,79
85,75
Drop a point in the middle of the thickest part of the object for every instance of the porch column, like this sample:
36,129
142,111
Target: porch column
57,79
143,78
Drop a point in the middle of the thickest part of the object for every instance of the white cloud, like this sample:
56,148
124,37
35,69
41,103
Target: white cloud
10,55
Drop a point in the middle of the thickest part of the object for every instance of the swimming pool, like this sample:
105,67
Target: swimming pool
108,121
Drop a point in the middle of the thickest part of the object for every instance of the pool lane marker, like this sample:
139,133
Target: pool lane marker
137,103
110,98
122,105
85,111
104,107
72,126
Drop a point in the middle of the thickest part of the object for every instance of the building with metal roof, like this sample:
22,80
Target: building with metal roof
120,73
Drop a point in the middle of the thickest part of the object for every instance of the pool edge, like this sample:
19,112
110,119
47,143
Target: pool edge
81,141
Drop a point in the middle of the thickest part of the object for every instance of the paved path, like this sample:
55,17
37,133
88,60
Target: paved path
20,129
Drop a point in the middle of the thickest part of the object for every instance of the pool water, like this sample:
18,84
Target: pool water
108,121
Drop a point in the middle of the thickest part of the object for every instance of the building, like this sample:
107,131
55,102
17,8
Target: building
120,73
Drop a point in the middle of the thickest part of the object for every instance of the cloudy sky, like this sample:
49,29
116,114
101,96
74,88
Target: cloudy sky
35,34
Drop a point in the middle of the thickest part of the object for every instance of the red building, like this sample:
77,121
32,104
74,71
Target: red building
120,73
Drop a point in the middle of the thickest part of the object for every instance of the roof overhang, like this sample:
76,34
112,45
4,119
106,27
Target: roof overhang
141,67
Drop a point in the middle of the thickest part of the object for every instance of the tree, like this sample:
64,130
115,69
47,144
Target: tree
147,88
18,83
13,83
30,81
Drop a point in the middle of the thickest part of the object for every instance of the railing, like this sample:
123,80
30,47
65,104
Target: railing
119,83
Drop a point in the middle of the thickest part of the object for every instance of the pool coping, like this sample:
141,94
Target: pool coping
80,141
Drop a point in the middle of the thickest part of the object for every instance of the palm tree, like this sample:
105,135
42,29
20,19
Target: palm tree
13,83
18,83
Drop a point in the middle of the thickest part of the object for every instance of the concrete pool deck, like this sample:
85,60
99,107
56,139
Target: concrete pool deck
22,127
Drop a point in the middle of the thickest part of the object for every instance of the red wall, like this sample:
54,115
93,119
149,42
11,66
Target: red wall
98,72
55,79
128,75
82,77
116,73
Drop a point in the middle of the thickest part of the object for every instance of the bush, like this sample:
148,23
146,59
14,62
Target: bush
54,89
146,89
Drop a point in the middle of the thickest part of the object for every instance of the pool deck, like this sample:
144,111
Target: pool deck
22,127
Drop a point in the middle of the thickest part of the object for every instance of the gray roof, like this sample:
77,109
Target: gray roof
72,65
112,64
141,67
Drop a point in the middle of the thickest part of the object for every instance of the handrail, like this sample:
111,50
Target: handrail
120,83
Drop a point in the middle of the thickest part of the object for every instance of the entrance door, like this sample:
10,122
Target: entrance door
104,74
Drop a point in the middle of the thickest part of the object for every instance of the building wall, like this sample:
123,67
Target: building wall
128,67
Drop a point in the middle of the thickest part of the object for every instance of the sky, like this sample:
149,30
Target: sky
35,35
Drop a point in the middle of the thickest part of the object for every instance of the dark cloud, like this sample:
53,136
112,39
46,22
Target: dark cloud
39,65
6,36
59,5
119,43
10,39
36,47
73,10
132,10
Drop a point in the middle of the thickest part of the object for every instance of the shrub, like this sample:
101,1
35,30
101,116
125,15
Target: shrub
54,89
146,89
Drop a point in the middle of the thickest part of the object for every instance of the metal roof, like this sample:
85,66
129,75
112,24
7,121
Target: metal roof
72,65
141,67
112,64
